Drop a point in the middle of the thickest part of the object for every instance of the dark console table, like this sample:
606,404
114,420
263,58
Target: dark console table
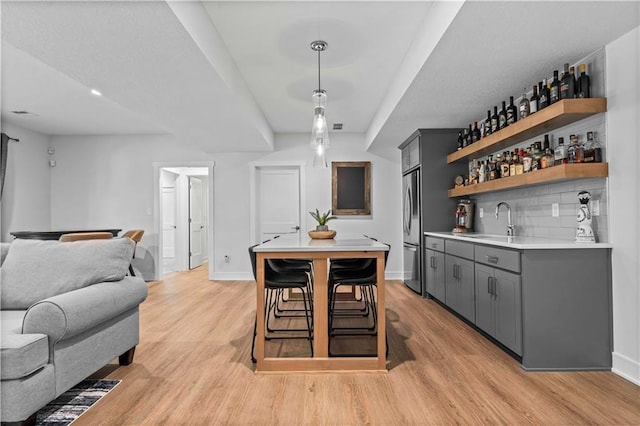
55,235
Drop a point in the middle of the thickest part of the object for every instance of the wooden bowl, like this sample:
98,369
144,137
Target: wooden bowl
322,235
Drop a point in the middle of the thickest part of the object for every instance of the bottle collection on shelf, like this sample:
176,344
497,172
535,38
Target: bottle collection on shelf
544,94
539,155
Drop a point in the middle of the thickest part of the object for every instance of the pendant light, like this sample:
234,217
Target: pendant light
319,131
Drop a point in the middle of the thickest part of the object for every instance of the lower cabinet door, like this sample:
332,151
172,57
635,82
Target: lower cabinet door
434,274
466,288
452,292
484,298
508,310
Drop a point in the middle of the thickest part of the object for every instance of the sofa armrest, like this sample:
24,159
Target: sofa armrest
68,314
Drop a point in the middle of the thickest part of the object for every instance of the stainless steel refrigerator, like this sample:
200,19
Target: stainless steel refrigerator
426,178
411,229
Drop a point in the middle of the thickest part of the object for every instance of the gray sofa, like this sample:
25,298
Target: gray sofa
66,310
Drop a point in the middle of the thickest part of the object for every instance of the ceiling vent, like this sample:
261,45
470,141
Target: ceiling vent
337,126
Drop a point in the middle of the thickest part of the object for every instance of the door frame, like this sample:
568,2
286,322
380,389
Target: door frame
253,204
157,211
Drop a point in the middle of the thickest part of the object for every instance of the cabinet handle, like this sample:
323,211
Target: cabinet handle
492,259
489,285
432,259
495,287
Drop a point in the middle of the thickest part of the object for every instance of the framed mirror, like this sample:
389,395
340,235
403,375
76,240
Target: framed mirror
351,188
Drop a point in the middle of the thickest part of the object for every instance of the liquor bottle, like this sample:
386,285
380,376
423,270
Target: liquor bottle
469,140
544,95
487,125
584,83
567,84
536,156
475,133
533,102
481,175
473,175
554,89
547,158
572,73
493,175
514,161
506,161
498,166
502,116
560,154
526,160
519,167
524,106
592,150
495,120
575,152
512,112
460,141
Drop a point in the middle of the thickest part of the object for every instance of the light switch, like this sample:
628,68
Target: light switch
481,212
555,210
149,211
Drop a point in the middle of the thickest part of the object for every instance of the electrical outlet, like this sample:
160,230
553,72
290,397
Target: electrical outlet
555,210
481,212
595,207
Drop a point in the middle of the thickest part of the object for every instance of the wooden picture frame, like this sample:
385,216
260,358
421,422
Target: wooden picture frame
351,188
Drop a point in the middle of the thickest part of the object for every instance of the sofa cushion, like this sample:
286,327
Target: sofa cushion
34,270
20,354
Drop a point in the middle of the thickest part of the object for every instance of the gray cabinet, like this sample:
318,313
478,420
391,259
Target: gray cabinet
434,268
411,154
459,278
498,305
459,282
434,274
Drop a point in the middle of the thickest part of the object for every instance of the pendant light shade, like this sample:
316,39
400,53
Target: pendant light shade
320,129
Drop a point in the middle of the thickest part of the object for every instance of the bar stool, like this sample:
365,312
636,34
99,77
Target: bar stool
275,281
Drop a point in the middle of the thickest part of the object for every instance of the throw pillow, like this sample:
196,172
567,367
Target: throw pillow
34,269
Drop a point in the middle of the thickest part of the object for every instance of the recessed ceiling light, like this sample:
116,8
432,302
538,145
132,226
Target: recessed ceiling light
95,92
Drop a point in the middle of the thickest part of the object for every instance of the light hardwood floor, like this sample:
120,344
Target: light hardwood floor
192,367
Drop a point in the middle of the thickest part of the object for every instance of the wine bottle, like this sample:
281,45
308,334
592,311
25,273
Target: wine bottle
475,133
567,84
495,120
512,112
487,125
544,95
554,89
584,83
502,116
524,106
533,102
460,141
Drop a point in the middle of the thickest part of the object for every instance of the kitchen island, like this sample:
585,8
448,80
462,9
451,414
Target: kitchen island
544,300
321,251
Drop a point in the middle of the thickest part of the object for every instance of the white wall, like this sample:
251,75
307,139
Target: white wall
25,202
108,181
623,116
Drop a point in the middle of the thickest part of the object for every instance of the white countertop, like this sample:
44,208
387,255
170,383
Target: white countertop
518,242
303,243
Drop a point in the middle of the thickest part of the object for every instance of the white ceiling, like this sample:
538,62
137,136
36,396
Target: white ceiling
228,75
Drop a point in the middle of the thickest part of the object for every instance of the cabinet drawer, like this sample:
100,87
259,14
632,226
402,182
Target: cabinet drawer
500,258
458,248
435,243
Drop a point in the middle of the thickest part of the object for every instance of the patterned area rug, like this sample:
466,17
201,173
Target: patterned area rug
65,409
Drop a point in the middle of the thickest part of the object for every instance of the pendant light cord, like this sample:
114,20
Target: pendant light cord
318,71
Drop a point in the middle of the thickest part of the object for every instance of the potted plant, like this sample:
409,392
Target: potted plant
322,219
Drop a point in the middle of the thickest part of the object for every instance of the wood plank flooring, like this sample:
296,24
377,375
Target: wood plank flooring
192,367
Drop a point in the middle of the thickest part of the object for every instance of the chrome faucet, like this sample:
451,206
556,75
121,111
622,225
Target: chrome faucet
510,227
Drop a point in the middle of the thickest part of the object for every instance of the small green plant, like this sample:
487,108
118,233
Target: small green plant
322,218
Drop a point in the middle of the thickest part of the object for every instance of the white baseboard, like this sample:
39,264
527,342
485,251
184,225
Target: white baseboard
626,368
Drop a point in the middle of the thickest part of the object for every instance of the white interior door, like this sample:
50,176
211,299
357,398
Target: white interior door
169,229
196,222
278,206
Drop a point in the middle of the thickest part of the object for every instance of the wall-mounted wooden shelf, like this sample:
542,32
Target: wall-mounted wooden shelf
552,174
550,118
